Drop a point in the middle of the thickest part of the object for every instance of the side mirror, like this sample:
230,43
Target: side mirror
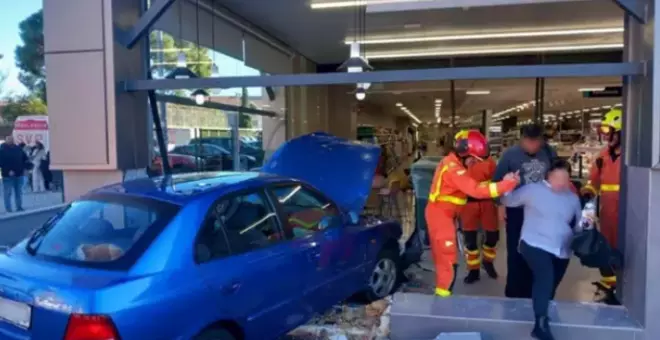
328,222
353,217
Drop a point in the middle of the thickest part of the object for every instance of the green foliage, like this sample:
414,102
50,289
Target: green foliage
3,78
30,105
30,55
245,120
197,58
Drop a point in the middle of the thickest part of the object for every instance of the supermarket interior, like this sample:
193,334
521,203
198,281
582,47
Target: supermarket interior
230,82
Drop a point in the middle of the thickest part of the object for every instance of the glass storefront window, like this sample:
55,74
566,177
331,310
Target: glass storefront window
199,135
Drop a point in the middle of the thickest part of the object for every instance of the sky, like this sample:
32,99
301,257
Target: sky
12,12
11,16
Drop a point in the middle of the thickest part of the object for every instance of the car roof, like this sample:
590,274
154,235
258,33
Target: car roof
183,188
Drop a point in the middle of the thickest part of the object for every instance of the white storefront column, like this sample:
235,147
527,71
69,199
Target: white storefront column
96,132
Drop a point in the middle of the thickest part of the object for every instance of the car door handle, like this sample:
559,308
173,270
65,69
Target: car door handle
231,288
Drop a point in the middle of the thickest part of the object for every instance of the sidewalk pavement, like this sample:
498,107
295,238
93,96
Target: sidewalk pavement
35,201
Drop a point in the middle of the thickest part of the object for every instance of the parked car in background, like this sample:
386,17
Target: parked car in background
179,164
220,256
252,149
216,157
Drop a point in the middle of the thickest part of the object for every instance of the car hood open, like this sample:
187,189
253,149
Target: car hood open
341,169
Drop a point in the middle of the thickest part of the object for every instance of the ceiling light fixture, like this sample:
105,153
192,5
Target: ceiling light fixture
477,92
439,53
399,104
412,116
518,107
353,3
591,89
484,36
360,94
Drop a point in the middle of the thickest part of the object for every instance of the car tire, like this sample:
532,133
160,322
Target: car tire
216,334
385,276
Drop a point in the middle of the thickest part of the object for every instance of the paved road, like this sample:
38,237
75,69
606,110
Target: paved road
13,230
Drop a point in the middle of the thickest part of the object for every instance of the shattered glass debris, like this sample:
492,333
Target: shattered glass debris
349,322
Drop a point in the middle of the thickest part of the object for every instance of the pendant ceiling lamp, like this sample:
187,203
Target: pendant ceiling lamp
356,61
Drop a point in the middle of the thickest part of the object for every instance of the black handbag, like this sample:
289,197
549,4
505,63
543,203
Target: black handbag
591,247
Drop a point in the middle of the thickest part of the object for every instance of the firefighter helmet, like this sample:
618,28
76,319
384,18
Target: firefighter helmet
612,121
471,143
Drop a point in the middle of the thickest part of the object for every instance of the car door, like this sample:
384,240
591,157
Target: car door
308,216
251,271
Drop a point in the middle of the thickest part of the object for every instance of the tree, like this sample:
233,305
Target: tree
29,105
197,58
30,55
244,119
3,78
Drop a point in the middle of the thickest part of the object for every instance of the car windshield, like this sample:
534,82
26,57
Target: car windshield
101,229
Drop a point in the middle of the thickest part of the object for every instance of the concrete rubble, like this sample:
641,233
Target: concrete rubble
349,322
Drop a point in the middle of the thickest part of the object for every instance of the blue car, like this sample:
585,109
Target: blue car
205,256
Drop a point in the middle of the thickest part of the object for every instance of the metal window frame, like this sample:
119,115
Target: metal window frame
131,37
635,8
434,74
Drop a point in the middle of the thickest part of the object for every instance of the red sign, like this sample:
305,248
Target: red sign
31,124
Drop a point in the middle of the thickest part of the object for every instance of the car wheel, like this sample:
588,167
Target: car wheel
384,276
216,334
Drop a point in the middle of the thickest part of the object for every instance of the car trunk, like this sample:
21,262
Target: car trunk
36,298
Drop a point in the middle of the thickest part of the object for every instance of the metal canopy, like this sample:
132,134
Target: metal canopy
142,27
635,8
458,73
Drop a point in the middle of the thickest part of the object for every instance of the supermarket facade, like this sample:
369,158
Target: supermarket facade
104,86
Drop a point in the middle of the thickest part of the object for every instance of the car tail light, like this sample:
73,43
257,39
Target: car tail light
90,327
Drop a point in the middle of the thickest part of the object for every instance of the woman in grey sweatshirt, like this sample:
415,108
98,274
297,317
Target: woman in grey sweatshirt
551,212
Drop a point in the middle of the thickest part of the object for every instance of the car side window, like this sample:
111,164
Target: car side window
236,225
303,209
212,150
186,150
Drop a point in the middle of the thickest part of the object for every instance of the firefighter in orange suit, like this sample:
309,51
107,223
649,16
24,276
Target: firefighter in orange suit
479,212
450,188
604,180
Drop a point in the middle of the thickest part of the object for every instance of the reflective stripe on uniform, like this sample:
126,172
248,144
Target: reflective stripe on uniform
608,281
442,292
435,196
472,252
492,188
609,187
435,193
472,259
489,253
451,199
472,263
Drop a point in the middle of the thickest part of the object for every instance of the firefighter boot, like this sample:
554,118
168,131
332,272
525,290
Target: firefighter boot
489,267
606,295
472,276
541,329
489,253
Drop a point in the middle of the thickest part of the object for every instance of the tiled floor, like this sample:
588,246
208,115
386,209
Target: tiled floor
576,285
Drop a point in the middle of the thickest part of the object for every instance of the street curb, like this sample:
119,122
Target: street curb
12,216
